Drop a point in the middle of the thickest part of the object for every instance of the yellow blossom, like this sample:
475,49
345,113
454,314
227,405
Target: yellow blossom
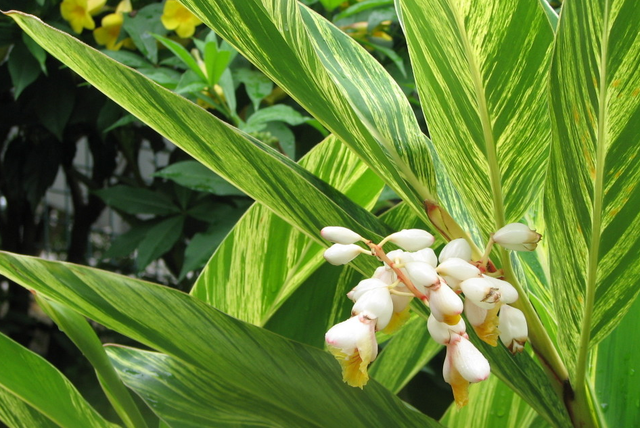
79,13
111,24
177,17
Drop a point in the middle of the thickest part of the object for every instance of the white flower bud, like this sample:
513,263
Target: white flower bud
475,314
400,256
422,275
352,334
517,237
364,286
458,269
466,359
458,248
412,239
508,293
513,328
339,254
377,302
340,235
400,302
384,274
446,306
441,332
426,255
481,292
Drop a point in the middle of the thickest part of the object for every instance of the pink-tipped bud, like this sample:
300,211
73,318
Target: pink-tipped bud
458,269
517,237
340,235
508,293
513,328
481,292
412,239
441,332
446,306
364,286
339,254
377,302
458,248
426,255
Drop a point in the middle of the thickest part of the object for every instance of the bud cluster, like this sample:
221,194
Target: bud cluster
381,303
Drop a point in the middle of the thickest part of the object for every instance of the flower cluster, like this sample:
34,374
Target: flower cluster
381,303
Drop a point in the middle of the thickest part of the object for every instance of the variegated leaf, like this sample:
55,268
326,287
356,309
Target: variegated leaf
592,193
481,74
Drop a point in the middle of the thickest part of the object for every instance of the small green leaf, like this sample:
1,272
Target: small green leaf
134,200
23,68
142,26
159,240
256,84
276,113
198,177
183,54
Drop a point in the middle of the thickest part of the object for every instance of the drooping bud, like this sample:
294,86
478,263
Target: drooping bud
446,306
458,248
462,365
513,328
422,275
412,239
426,255
441,332
517,237
364,286
377,302
458,269
339,254
340,235
475,314
508,293
481,292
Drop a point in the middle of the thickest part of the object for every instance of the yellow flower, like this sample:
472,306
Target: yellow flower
78,13
111,24
177,17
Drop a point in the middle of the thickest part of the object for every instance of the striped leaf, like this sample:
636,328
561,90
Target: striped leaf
15,413
334,79
481,75
287,189
45,391
266,258
592,197
493,405
185,398
615,372
237,357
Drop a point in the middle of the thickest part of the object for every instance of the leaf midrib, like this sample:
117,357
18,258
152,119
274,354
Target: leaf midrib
598,196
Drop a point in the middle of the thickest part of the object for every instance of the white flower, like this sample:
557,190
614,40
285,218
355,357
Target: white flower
481,292
422,275
517,237
377,302
364,286
411,239
340,235
458,269
446,306
513,328
426,255
463,364
475,314
339,254
441,332
458,248
508,293
353,343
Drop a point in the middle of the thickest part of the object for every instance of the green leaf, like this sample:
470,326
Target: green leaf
266,258
493,405
331,4
256,84
198,177
23,68
15,413
276,113
216,61
36,50
239,358
269,177
481,76
76,327
592,194
334,79
142,25
134,200
183,54
126,243
361,7
159,240
30,378
616,365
